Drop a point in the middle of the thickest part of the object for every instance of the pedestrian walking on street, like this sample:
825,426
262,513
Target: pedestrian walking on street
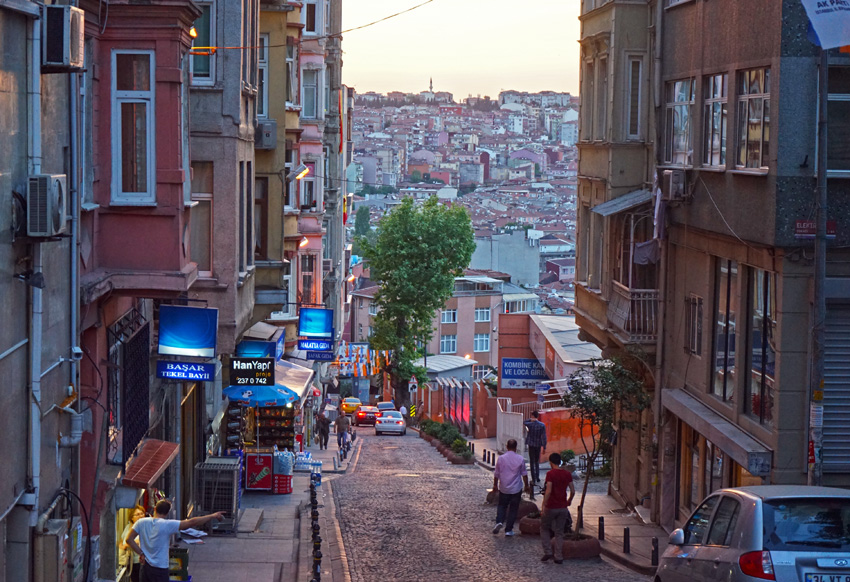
154,535
536,442
509,477
341,426
555,508
403,410
323,424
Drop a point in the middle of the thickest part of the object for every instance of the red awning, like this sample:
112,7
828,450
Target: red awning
150,462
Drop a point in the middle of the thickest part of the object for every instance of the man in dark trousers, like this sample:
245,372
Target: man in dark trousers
555,508
323,426
536,442
509,477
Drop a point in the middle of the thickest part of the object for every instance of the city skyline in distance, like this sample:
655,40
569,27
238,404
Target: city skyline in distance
468,47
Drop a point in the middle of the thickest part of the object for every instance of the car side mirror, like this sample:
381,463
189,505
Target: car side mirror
677,537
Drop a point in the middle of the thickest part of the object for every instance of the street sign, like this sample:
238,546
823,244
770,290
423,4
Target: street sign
315,345
320,356
412,384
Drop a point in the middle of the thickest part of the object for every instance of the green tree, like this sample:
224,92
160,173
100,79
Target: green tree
416,176
605,398
361,221
415,259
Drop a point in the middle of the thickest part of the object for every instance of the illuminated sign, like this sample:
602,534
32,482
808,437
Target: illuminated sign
316,323
320,356
187,331
315,345
185,371
252,371
521,373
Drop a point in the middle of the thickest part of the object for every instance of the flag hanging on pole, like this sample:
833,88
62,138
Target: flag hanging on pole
830,20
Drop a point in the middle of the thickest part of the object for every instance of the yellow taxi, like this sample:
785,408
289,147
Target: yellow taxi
349,405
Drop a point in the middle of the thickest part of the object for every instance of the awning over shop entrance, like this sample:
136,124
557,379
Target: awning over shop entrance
744,449
623,203
150,462
294,378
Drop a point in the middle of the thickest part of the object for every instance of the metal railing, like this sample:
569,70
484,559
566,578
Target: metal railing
526,408
634,312
508,425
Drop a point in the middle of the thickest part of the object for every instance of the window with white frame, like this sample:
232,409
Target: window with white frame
715,113
753,118
308,277
287,310
693,325
448,316
310,94
373,308
448,344
371,331
133,128
327,99
838,111
481,342
291,201
678,137
201,220
262,77
588,100
291,76
600,131
308,189
635,72
203,65
312,16
482,314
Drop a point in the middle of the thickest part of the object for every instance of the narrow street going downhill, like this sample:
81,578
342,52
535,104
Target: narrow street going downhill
408,515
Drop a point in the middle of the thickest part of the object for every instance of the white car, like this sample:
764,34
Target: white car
390,421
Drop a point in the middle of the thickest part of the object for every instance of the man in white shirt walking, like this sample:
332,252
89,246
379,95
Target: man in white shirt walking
154,535
508,479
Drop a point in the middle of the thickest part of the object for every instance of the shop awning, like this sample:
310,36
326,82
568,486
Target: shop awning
744,449
294,378
622,203
150,462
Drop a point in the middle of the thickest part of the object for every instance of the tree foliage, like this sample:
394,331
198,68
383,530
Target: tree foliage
361,221
606,398
417,255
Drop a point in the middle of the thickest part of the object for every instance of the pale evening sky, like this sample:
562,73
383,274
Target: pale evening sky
469,47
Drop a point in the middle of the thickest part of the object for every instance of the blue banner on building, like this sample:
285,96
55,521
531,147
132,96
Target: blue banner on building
320,356
192,371
187,331
521,373
316,323
315,345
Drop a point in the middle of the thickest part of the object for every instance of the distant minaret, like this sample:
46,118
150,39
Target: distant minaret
432,85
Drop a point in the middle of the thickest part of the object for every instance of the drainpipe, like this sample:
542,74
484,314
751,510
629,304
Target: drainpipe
74,299
36,309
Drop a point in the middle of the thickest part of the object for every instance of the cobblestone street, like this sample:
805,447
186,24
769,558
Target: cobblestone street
408,515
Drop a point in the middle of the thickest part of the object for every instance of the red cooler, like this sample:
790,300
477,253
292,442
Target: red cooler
259,470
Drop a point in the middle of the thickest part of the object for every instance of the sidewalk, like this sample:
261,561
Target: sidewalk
273,541
597,505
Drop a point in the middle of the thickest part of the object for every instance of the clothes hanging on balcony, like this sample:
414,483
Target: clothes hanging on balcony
646,252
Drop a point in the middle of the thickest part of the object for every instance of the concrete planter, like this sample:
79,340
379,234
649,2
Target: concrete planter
530,526
526,507
580,547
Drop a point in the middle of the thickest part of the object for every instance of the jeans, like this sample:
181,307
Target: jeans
534,461
554,520
342,437
508,506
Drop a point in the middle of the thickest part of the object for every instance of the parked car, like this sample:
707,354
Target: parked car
391,421
365,414
349,405
385,406
787,533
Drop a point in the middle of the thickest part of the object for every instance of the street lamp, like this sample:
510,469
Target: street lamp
303,242
299,173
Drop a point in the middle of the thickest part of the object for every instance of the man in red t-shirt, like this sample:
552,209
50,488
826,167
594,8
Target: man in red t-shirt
553,513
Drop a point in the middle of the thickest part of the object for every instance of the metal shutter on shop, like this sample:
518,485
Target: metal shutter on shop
836,394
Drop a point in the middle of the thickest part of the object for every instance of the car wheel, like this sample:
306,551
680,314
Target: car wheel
404,432
377,432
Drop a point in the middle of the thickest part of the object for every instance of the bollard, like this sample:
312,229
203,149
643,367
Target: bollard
654,551
472,447
486,456
601,528
627,542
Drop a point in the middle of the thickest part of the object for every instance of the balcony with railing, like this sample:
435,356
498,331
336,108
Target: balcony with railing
634,313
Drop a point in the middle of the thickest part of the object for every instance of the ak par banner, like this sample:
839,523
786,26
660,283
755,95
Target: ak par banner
520,373
316,323
830,20
187,331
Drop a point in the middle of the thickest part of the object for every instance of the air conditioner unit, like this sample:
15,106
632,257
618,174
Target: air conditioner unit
673,185
62,38
46,205
265,136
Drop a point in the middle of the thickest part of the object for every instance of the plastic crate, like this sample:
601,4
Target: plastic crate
217,486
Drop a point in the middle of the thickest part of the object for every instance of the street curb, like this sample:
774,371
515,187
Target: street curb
339,559
334,550
620,558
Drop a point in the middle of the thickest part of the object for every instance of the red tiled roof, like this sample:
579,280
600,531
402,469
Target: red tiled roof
153,458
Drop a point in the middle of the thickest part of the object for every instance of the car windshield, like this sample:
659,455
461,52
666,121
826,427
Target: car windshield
367,409
351,401
385,406
794,524
392,414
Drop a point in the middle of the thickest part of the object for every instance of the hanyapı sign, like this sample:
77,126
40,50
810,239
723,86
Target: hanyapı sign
518,373
830,20
252,371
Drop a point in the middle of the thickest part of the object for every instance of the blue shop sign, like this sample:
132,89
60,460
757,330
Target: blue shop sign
320,356
172,370
315,345
187,331
316,323
521,373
